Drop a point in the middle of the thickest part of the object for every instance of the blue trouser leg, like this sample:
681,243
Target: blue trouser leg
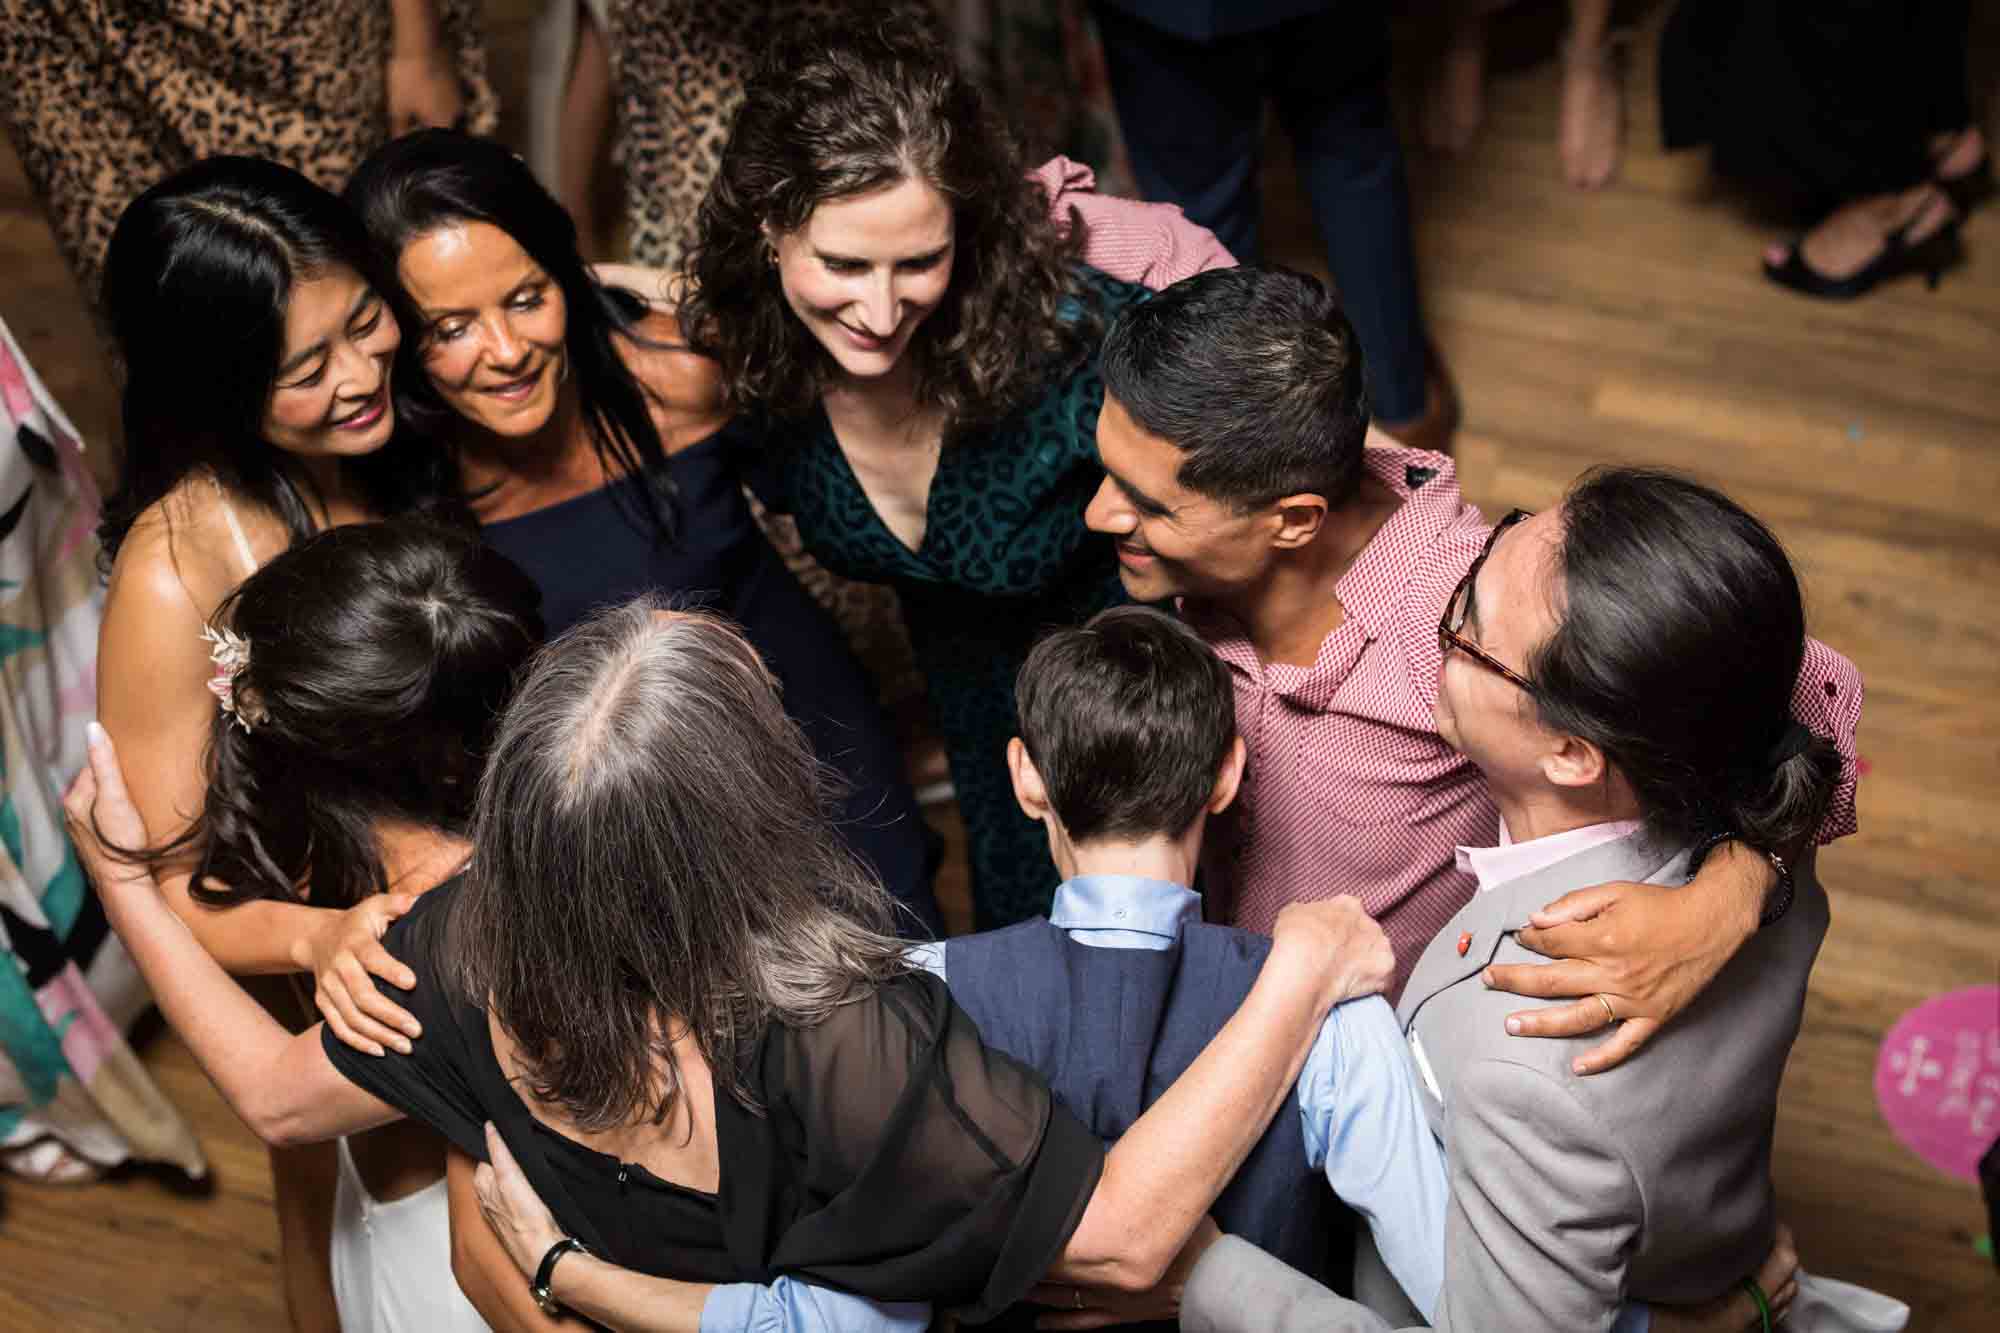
1192,117
1331,83
1191,113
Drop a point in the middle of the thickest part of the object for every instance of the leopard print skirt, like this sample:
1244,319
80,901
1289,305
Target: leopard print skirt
102,100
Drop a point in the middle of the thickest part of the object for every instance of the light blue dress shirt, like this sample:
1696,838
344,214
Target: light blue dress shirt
1359,1110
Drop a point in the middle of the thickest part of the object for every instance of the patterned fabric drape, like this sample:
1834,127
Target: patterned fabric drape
1044,64
71,1090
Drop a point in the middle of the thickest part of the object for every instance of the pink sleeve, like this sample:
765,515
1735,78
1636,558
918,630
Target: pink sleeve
1153,245
1827,701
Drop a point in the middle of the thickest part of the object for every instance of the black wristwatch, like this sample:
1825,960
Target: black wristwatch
540,1285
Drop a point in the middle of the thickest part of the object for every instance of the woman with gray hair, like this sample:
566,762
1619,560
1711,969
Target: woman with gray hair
663,986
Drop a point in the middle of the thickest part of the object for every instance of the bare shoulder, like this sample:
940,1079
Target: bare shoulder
683,388
177,562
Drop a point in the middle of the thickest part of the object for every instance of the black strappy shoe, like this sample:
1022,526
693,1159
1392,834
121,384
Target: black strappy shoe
1933,256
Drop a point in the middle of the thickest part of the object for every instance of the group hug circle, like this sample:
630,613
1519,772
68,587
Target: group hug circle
445,663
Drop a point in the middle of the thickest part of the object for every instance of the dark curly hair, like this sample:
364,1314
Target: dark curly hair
836,111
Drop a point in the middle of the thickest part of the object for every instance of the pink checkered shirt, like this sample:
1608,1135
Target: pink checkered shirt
1153,245
1350,789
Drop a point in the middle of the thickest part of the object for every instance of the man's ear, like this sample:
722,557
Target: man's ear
1300,518
1029,793
1229,778
1572,761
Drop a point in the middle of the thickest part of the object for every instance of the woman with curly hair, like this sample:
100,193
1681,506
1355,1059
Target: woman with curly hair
908,335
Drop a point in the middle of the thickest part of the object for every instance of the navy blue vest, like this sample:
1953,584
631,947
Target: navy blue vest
1111,1029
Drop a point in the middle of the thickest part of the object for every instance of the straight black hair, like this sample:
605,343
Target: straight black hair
436,177
1681,637
1255,375
380,658
1128,718
197,280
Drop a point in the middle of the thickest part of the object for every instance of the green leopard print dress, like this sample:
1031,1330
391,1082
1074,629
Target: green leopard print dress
1005,556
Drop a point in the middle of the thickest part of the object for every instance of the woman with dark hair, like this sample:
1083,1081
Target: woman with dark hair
1621,671
361,674
580,431
257,360
909,340
665,987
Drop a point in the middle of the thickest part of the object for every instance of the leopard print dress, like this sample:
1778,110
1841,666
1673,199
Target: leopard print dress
102,100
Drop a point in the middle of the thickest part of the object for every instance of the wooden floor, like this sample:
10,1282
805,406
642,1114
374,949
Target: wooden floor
1627,326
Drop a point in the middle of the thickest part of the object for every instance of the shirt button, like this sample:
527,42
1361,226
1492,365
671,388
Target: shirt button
1120,914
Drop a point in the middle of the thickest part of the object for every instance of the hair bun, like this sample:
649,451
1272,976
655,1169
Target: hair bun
1791,743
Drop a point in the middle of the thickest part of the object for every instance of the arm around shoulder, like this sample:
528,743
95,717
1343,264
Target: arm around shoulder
1151,244
1237,1288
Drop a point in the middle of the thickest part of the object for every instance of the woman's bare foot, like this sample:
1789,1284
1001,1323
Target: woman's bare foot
1957,154
1455,102
1848,239
1592,127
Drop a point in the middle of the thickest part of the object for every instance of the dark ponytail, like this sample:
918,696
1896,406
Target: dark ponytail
1682,633
380,655
1782,809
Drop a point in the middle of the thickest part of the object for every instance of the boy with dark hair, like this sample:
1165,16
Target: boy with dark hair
1128,744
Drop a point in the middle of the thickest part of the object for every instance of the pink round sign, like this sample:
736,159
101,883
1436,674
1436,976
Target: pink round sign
1937,1078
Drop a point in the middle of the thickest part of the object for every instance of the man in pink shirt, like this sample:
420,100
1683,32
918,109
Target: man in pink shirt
1237,481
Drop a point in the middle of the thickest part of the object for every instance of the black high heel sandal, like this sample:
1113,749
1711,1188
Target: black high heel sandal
1933,256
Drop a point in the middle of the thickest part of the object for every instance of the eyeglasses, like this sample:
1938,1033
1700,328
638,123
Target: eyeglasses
1455,611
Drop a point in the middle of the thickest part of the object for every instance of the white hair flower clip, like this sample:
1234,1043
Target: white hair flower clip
230,652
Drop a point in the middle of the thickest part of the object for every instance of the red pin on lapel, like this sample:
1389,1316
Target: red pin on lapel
1464,943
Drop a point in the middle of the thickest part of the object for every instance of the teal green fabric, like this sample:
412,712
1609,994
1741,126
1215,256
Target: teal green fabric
1005,556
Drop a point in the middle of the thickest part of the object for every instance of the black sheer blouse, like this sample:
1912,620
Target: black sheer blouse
896,1156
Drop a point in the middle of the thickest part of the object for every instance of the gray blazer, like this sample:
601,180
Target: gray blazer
1572,1195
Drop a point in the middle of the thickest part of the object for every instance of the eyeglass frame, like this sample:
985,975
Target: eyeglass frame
1448,634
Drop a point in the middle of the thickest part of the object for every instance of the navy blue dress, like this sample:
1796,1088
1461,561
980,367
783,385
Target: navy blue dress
599,549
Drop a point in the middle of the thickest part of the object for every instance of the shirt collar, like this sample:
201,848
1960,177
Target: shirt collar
1373,587
1495,866
1125,902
